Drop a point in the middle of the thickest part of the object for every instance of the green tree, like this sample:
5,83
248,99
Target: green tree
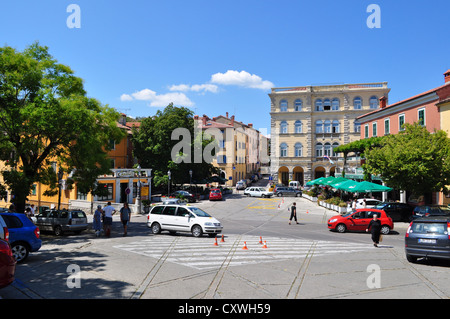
414,160
45,117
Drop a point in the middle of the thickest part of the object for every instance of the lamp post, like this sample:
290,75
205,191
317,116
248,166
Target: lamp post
138,195
190,180
60,176
168,184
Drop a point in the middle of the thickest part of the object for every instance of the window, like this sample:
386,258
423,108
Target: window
283,150
319,105
335,128
327,149
298,105
108,192
319,150
373,102
80,195
421,116
298,149
374,129
283,105
221,159
319,126
298,127
366,131
334,146
357,103
327,105
335,104
357,127
283,127
327,127
386,127
169,210
401,122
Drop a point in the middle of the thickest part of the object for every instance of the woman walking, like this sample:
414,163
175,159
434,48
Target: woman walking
125,217
375,229
97,223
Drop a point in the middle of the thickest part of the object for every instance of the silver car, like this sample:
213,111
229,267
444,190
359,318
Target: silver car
62,221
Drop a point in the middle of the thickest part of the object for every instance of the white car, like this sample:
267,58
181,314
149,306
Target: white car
257,192
370,203
180,218
241,185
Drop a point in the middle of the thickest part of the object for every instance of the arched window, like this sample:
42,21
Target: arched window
283,150
298,149
319,126
283,105
283,127
298,127
334,146
326,105
335,104
298,105
319,150
327,126
373,102
327,149
357,103
335,126
319,105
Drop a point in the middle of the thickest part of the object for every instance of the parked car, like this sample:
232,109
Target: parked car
257,192
4,232
287,191
176,201
7,264
191,198
428,237
397,211
176,218
24,236
430,210
370,202
241,185
215,194
359,220
295,185
61,221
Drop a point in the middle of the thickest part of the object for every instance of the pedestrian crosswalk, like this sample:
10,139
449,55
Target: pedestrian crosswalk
202,253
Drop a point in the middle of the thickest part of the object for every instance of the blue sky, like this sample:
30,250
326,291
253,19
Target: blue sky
223,56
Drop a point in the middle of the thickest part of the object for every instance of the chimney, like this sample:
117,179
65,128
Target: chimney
232,121
195,117
204,120
447,76
250,125
383,102
227,114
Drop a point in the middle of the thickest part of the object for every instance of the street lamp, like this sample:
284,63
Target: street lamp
60,176
168,184
138,196
190,180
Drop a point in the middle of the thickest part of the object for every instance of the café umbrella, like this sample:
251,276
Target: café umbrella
365,187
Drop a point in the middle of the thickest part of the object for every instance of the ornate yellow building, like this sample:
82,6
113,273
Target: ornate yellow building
308,122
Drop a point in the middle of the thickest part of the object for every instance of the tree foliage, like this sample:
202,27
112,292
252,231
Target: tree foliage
45,116
414,160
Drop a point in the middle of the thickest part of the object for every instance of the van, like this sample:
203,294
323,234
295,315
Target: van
177,218
295,184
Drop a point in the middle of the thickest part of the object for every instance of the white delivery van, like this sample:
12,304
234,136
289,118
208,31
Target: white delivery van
295,184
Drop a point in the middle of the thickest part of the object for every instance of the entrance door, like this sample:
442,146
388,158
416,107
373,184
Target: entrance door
123,193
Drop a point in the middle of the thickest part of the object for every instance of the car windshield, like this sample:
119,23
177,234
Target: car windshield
215,191
199,212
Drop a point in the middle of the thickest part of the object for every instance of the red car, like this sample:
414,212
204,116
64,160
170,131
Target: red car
215,194
7,264
359,220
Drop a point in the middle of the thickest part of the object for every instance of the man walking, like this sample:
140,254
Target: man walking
109,212
293,213
125,217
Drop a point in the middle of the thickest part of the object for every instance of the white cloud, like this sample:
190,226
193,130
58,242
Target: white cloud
242,78
195,88
158,100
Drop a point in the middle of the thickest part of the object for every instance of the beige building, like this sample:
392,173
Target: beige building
308,122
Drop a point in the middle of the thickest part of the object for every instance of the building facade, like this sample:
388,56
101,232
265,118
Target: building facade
308,122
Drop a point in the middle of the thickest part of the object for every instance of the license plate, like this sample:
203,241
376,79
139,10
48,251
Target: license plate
426,241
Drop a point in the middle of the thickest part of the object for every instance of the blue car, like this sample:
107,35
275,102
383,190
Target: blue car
23,235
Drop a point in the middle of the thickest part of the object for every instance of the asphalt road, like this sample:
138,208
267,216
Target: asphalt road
304,261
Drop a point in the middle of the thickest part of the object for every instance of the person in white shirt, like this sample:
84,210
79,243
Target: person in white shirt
109,212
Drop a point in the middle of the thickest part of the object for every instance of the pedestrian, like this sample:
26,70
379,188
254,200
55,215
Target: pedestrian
109,212
97,223
293,213
125,217
375,229
364,203
354,204
28,212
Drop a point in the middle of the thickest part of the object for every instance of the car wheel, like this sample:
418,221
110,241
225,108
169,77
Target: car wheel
341,228
58,231
156,228
411,259
298,195
20,251
385,230
197,231
279,194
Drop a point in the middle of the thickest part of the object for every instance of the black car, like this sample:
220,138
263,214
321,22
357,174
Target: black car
428,237
399,212
186,195
287,191
430,210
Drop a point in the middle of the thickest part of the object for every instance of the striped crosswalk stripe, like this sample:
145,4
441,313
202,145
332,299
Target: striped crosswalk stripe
201,253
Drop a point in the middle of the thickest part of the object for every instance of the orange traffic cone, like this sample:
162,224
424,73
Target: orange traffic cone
260,240
307,212
216,244
265,245
245,246
222,240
